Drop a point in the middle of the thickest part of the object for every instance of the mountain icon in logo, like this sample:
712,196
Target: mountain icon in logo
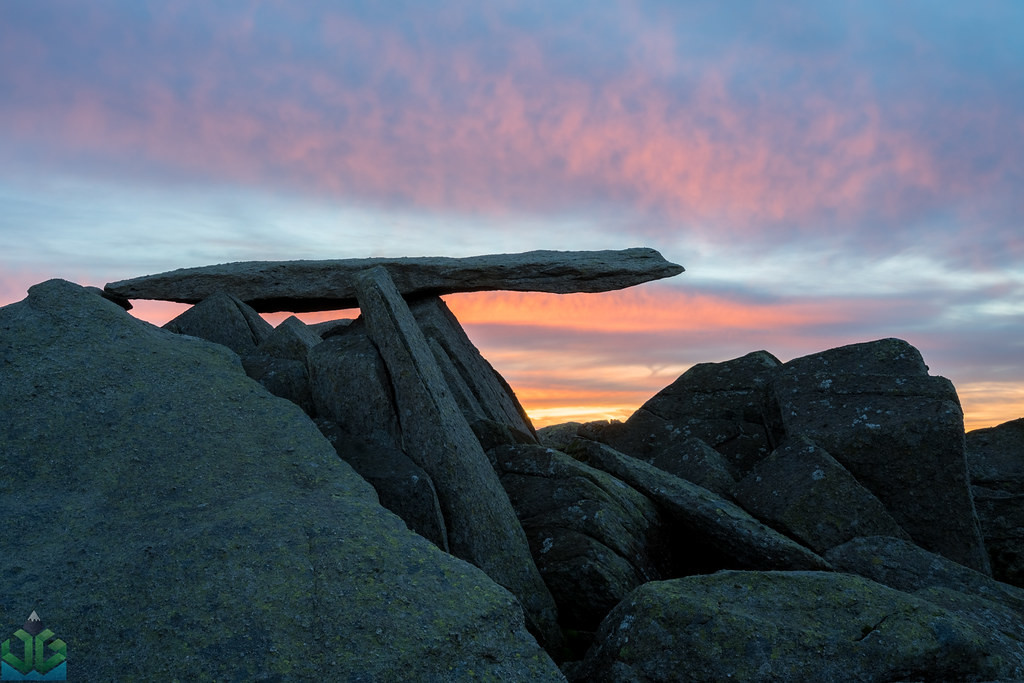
34,625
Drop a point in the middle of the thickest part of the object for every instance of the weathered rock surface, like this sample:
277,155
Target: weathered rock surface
558,436
351,387
899,431
280,363
792,626
291,339
904,566
283,377
703,520
223,319
806,494
155,497
591,535
300,286
995,457
722,404
480,391
481,523
402,486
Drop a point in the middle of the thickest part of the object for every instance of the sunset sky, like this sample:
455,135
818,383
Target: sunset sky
827,172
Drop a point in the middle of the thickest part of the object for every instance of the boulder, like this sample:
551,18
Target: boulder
591,535
995,457
300,286
481,523
401,485
329,328
904,566
291,339
282,377
223,319
480,391
792,626
718,532
722,404
899,431
351,387
155,497
280,363
558,436
806,494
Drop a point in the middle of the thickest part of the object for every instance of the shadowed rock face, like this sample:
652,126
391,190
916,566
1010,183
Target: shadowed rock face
805,493
898,430
699,514
155,497
481,523
302,286
996,460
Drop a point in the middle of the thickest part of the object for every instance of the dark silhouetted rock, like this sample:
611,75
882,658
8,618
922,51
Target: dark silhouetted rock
722,404
481,523
329,328
155,497
792,626
223,319
701,517
558,436
480,391
351,387
899,431
491,434
806,494
590,534
995,457
402,486
299,286
280,363
291,339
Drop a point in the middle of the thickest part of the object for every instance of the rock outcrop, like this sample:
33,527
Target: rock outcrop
155,497
755,520
898,430
722,404
591,535
301,286
704,523
223,319
872,407
482,526
995,457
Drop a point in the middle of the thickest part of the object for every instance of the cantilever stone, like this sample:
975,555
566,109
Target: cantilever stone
302,286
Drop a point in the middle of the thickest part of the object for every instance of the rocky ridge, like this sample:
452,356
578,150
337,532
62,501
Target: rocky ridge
755,520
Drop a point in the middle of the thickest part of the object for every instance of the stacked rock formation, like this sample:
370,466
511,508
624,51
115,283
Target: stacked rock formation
756,520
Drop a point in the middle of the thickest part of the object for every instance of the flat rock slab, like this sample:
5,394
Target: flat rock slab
697,512
303,286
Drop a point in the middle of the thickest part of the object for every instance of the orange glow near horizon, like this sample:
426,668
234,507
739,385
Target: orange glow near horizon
559,386
566,386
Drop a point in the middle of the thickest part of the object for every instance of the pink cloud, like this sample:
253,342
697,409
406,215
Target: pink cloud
462,136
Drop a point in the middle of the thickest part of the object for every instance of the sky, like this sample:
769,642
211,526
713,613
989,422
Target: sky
827,173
